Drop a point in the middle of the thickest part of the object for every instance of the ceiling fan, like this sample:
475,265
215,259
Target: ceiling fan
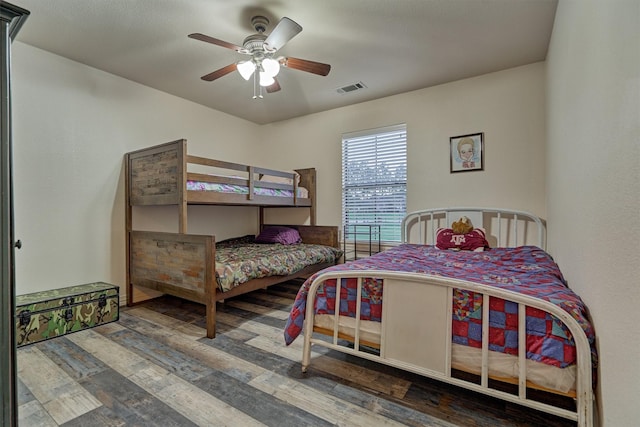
263,65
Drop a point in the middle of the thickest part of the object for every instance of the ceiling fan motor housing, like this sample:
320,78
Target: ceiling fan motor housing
259,23
254,44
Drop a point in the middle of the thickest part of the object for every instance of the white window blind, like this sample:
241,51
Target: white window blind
374,179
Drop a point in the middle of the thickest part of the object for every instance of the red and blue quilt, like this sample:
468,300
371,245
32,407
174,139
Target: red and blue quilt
527,269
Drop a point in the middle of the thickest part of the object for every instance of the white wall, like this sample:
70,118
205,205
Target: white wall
72,126
508,106
593,162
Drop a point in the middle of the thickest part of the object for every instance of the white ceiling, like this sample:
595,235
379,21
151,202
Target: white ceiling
392,46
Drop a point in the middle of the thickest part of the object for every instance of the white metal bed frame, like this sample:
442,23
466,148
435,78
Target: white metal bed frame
404,300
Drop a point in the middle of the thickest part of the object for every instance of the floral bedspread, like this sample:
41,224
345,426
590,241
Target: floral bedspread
237,263
527,270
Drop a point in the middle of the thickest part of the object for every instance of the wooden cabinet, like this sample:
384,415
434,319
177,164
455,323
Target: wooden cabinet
11,19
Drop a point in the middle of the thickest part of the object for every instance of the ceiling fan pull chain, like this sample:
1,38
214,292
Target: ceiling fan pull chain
255,86
257,89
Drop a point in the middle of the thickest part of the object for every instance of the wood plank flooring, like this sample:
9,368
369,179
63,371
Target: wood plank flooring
154,367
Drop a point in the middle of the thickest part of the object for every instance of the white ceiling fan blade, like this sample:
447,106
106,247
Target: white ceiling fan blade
284,31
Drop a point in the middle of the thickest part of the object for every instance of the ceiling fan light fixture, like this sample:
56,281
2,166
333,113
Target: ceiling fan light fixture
246,69
262,66
271,66
266,79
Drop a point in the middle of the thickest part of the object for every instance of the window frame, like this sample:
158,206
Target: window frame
388,154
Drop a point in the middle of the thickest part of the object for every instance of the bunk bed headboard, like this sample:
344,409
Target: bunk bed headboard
503,227
157,175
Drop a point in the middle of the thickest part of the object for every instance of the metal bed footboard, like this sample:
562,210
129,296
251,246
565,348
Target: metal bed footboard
424,347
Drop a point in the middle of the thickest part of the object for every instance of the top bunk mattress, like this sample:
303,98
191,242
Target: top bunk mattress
242,189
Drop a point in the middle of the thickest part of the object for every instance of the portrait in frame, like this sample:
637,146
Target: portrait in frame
466,152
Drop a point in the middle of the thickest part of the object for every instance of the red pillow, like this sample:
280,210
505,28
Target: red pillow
472,241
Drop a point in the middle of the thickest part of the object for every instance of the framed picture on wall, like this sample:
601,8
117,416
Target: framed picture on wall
466,152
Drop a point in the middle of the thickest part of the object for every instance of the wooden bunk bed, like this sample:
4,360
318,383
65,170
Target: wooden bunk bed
501,321
184,265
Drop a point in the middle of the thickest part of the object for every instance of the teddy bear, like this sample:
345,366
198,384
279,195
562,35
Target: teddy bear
462,226
461,236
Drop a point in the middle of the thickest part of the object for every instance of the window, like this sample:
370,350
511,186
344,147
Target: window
374,179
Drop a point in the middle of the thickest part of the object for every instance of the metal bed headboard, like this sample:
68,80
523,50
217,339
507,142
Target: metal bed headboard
503,227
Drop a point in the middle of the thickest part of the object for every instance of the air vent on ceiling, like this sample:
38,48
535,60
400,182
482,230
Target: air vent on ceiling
351,88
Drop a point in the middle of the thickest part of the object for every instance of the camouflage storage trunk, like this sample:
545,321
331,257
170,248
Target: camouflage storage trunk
49,314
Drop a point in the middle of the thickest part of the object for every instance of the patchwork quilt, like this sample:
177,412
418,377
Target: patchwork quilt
528,270
240,261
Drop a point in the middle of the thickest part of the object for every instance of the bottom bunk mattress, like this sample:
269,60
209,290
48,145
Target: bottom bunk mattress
527,270
239,260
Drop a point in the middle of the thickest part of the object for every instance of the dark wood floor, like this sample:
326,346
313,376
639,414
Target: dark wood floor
155,368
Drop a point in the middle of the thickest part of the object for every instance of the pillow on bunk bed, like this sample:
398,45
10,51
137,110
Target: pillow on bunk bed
283,235
473,241
280,179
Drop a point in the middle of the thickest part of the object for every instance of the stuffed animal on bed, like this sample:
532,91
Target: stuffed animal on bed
461,236
462,226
